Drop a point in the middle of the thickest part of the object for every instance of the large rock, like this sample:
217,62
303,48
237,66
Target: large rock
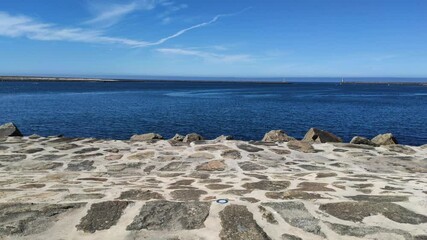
320,136
9,130
178,138
362,140
357,211
22,219
171,216
146,137
384,139
238,223
192,137
297,215
102,215
276,136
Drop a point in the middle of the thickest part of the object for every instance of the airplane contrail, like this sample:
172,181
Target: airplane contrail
179,33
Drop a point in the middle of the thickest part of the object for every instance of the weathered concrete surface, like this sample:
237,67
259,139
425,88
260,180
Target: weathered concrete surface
69,188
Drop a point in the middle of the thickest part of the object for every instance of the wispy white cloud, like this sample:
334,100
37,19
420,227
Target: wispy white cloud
108,15
207,55
170,9
23,26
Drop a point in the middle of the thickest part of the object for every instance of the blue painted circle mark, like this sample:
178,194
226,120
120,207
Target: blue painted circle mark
222,201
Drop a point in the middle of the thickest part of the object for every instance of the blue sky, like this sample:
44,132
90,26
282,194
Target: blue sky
243,38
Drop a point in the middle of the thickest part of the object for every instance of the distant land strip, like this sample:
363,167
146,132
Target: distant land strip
75,79
52,79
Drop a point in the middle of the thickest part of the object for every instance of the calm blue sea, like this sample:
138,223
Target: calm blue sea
245,110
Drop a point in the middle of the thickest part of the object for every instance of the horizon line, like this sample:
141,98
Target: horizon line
142,76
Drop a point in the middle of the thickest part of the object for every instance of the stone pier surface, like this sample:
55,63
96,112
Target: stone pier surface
64,188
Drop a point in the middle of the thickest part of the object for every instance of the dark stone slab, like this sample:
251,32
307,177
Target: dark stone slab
231,154
296,215
171,216
340,150
67,146
293,194
85,165
30,150
262,143
400,149
250,166
83,196
32,185
86,156
249,148
213,147
43,166
267,185
354,146
12,157
102,216
136,194
249,199
286,236
150,168
2,148
326,175
187,194
95,179
361,232
238,224
238,192
216,186
199,175
280,151
357,211
49,157
379,198
314,187
175,166
183,182
31,218
312,167
86,150
258,176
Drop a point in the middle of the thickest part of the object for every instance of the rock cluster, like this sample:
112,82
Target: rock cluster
314,135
